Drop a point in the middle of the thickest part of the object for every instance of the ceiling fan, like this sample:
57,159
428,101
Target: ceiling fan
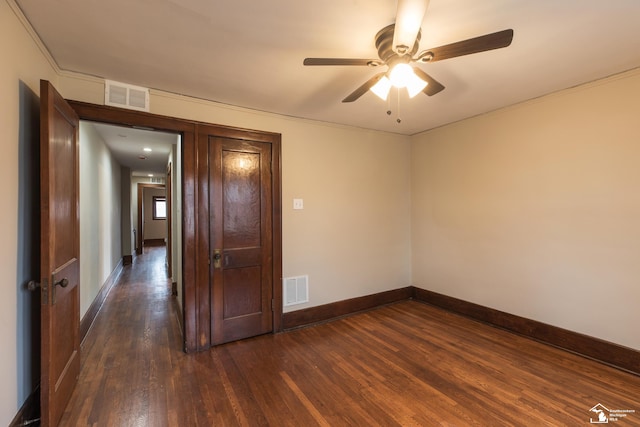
398,45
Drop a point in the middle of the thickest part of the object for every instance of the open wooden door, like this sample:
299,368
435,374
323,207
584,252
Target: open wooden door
59,268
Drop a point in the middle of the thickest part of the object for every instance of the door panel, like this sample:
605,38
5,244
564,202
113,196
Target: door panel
241,199
59,269
241,232
242,291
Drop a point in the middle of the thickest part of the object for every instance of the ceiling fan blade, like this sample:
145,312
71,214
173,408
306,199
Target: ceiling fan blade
364,88
409,17
491,41
341,61
433,86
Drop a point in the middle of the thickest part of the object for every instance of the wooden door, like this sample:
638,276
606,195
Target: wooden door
240,206
59,268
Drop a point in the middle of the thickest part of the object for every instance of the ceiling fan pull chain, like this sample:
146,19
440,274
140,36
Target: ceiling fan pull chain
398,120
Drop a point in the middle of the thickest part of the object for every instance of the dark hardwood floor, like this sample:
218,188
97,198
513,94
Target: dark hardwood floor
405,364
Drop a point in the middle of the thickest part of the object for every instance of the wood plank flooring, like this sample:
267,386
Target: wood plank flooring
407,364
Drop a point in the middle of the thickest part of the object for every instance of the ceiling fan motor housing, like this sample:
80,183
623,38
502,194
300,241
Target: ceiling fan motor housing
384,44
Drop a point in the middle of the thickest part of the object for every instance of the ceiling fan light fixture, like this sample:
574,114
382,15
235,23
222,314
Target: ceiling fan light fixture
397,45
415,85
382,88
400,75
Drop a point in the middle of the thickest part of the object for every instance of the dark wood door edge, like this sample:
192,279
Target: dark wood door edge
611,354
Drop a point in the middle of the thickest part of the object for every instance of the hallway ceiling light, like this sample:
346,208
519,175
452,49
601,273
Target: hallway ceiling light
147,149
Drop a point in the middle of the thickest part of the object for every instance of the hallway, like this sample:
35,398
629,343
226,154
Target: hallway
130,350
403,364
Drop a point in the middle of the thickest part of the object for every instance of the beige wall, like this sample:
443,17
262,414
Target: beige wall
353,237
100,214
535,209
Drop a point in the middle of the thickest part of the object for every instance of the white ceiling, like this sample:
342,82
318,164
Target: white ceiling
249,53
128,144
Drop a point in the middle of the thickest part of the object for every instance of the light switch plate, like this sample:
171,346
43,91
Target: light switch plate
298,204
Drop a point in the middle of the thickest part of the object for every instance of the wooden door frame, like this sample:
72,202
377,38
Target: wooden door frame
193,219
169,194
140,233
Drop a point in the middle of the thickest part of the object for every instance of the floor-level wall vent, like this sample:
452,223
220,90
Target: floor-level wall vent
124,95
296,290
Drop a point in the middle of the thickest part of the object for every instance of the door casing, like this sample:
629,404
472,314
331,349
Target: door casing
140,233
195,296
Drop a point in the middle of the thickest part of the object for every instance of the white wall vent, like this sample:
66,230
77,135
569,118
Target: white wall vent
124,95
296,290
155,180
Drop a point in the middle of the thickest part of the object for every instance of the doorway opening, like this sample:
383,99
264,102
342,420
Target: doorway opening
122,169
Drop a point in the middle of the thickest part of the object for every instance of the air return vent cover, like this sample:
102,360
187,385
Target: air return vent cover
124,95
296,290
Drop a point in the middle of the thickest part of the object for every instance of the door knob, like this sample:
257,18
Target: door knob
217,256
62,283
